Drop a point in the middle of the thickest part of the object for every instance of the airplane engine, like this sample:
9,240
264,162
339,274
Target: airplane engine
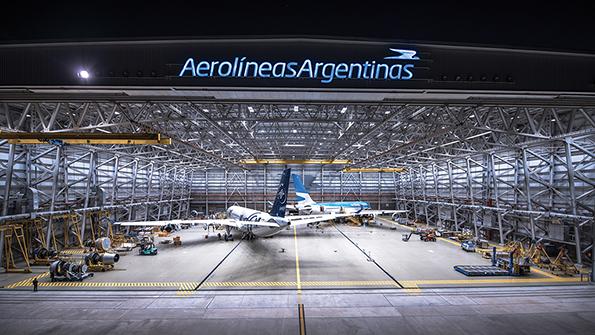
104,258
62,268
42,252
103,243
168,228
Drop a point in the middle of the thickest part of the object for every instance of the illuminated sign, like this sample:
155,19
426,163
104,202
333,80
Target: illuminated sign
399,66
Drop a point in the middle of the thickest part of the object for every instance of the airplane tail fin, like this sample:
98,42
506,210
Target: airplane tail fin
303,197
280,203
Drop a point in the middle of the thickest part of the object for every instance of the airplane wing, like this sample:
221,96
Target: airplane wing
307,219
226,222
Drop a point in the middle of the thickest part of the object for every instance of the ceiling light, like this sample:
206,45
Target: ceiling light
343,110
250,109
84,74
294,131
387,112
296,108
294,145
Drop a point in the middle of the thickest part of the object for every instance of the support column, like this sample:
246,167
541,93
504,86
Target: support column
341,186
172,195
413,194
226,197
422,182
528,192
264,190
435,174
321,183
188,201
149,186
492,167
7,188
379,184
206,193
245,188
471,196
131,209
161,190
182,193
91,180
115,187
570,170
55,177
452,196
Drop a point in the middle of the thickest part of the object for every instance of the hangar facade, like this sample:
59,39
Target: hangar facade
496,142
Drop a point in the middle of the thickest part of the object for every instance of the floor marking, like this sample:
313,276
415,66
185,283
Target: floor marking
408,284
297,266
368,257
544,273
414,290
302,318
216,266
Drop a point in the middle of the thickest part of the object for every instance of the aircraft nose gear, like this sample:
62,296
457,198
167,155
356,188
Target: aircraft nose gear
248,236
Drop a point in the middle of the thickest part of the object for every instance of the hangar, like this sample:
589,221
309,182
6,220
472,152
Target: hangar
476,149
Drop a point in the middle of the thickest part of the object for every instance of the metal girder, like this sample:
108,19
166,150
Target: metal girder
83,138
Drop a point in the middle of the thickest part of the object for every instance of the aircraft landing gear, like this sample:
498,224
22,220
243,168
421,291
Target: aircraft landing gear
227,235
248,236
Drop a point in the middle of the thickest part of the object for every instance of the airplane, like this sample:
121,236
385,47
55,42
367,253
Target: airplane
306,205
252,223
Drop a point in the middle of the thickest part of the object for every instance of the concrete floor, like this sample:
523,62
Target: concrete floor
341,256
346,278
497,310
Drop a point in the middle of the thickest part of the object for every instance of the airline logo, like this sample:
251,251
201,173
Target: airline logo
400,67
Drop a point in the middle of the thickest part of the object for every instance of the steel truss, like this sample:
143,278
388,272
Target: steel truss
503,169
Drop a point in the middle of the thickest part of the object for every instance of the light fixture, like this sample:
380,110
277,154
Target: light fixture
296,108
343,110
294,131
251,109
387,112
294,145
84,74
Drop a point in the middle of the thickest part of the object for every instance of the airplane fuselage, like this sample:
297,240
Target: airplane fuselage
333,207
246,214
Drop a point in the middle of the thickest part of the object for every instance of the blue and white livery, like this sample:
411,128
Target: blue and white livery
252,222
306,205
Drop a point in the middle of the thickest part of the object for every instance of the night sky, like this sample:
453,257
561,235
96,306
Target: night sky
564,25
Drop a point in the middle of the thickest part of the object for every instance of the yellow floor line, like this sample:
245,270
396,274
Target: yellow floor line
297,265
409,284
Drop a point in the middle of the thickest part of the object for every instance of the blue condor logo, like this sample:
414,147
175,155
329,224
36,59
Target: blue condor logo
308,69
